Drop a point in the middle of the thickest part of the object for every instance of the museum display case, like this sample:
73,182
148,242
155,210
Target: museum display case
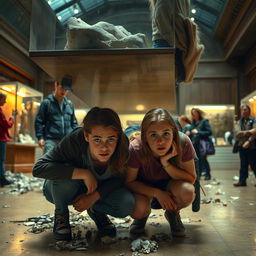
22,102
122,78
101,24
221,118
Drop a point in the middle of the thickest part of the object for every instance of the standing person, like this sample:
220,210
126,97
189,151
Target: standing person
245,133
86,170
132,132
55,117
201,129
4,138
161,171
172,27
185,123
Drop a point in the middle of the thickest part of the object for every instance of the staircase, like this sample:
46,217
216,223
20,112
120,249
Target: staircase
224,159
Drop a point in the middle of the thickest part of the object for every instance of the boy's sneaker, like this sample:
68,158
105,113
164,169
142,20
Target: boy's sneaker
138,226
176,225
61,228
103,223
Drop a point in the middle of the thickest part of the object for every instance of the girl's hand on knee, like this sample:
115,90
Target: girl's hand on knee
90,182
171,205
84,202
166,201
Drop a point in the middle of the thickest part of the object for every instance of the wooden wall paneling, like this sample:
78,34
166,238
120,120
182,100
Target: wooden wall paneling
215,91
251,80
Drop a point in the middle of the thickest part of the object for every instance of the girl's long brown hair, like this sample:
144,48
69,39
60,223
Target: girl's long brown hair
154,116
108,118
200,112
185,119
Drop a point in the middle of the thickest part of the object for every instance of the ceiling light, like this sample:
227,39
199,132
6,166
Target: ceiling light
75,9
59,17
140,107
193,10
193,19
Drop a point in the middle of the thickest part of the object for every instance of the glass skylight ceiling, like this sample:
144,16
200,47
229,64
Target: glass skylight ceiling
207,12
65,9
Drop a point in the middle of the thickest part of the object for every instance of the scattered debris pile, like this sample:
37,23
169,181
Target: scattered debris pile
143,246
74,245
41,223
22,183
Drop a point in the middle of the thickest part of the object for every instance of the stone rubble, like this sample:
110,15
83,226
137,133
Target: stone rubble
74,245
143,246
22,183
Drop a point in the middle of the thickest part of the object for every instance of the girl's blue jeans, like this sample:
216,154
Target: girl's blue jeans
119,203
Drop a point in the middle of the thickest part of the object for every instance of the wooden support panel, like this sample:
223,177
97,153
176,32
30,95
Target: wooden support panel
20,157
120,79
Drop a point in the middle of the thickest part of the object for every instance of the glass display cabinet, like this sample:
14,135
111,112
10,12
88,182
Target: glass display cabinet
105,71
22,102
221,118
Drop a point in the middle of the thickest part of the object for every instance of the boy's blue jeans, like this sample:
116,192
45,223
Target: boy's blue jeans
119,203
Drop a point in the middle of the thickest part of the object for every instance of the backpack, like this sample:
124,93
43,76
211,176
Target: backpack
196,202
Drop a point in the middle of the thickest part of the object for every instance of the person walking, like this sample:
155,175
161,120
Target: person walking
245,133
200,129
55,117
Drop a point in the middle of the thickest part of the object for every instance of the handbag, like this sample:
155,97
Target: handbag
235,147
206,147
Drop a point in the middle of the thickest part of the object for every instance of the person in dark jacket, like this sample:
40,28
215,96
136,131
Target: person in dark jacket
5,124
86,170
55,117
245,132
200,129
185,123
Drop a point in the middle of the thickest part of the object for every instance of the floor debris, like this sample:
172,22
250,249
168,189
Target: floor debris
74,245
22,183
144,246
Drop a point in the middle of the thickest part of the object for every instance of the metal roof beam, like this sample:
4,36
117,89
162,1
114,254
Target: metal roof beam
206,7
200,21
66,5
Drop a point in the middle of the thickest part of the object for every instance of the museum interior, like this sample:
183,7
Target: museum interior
106,48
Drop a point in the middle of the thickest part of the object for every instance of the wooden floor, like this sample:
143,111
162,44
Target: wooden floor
215,230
